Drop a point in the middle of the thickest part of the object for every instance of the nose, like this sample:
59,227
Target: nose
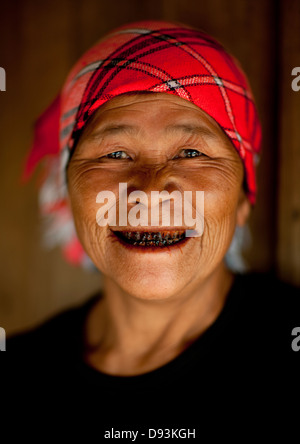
164,206
155,177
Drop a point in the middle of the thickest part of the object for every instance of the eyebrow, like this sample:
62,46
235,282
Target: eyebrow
187,128
193,129
114,129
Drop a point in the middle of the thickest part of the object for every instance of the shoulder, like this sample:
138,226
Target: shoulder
269,312
268,296
267,288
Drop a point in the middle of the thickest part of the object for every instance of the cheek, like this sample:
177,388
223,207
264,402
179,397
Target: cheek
86,227
221,188
82,196
221,194
84,186
219,227
83,204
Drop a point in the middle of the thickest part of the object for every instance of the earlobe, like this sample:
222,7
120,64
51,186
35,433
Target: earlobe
243,210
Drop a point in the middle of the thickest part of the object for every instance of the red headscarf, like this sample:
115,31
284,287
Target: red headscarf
146,57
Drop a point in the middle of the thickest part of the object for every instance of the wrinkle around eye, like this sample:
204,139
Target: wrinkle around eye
80,168
230,169
221,165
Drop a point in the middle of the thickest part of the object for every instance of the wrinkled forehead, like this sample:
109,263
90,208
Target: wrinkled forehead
139,115
161,108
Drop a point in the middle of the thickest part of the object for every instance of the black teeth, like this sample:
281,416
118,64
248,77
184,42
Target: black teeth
151,239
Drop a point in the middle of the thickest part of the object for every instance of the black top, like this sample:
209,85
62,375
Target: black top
243,371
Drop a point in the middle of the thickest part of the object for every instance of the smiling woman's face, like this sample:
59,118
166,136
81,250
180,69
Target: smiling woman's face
160,142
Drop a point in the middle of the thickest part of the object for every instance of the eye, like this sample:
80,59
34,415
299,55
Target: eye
189,152
117,155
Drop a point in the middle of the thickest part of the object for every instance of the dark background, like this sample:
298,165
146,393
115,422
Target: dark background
39,43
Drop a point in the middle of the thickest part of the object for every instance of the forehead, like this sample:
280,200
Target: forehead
153,109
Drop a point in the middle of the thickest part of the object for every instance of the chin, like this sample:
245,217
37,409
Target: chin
151,287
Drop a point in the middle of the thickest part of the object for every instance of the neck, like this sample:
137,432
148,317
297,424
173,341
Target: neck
127,335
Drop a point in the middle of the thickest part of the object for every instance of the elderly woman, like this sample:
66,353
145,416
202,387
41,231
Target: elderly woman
158,107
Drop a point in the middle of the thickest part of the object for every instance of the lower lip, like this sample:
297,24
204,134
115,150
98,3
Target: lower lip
143,249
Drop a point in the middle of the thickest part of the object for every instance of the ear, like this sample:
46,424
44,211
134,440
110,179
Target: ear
243,209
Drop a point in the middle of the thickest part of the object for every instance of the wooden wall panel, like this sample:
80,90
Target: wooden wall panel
39,42
289,147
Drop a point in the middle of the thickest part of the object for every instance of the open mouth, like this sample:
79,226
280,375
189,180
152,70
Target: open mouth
160,239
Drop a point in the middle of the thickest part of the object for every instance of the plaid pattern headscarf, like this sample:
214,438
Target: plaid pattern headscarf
142,57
